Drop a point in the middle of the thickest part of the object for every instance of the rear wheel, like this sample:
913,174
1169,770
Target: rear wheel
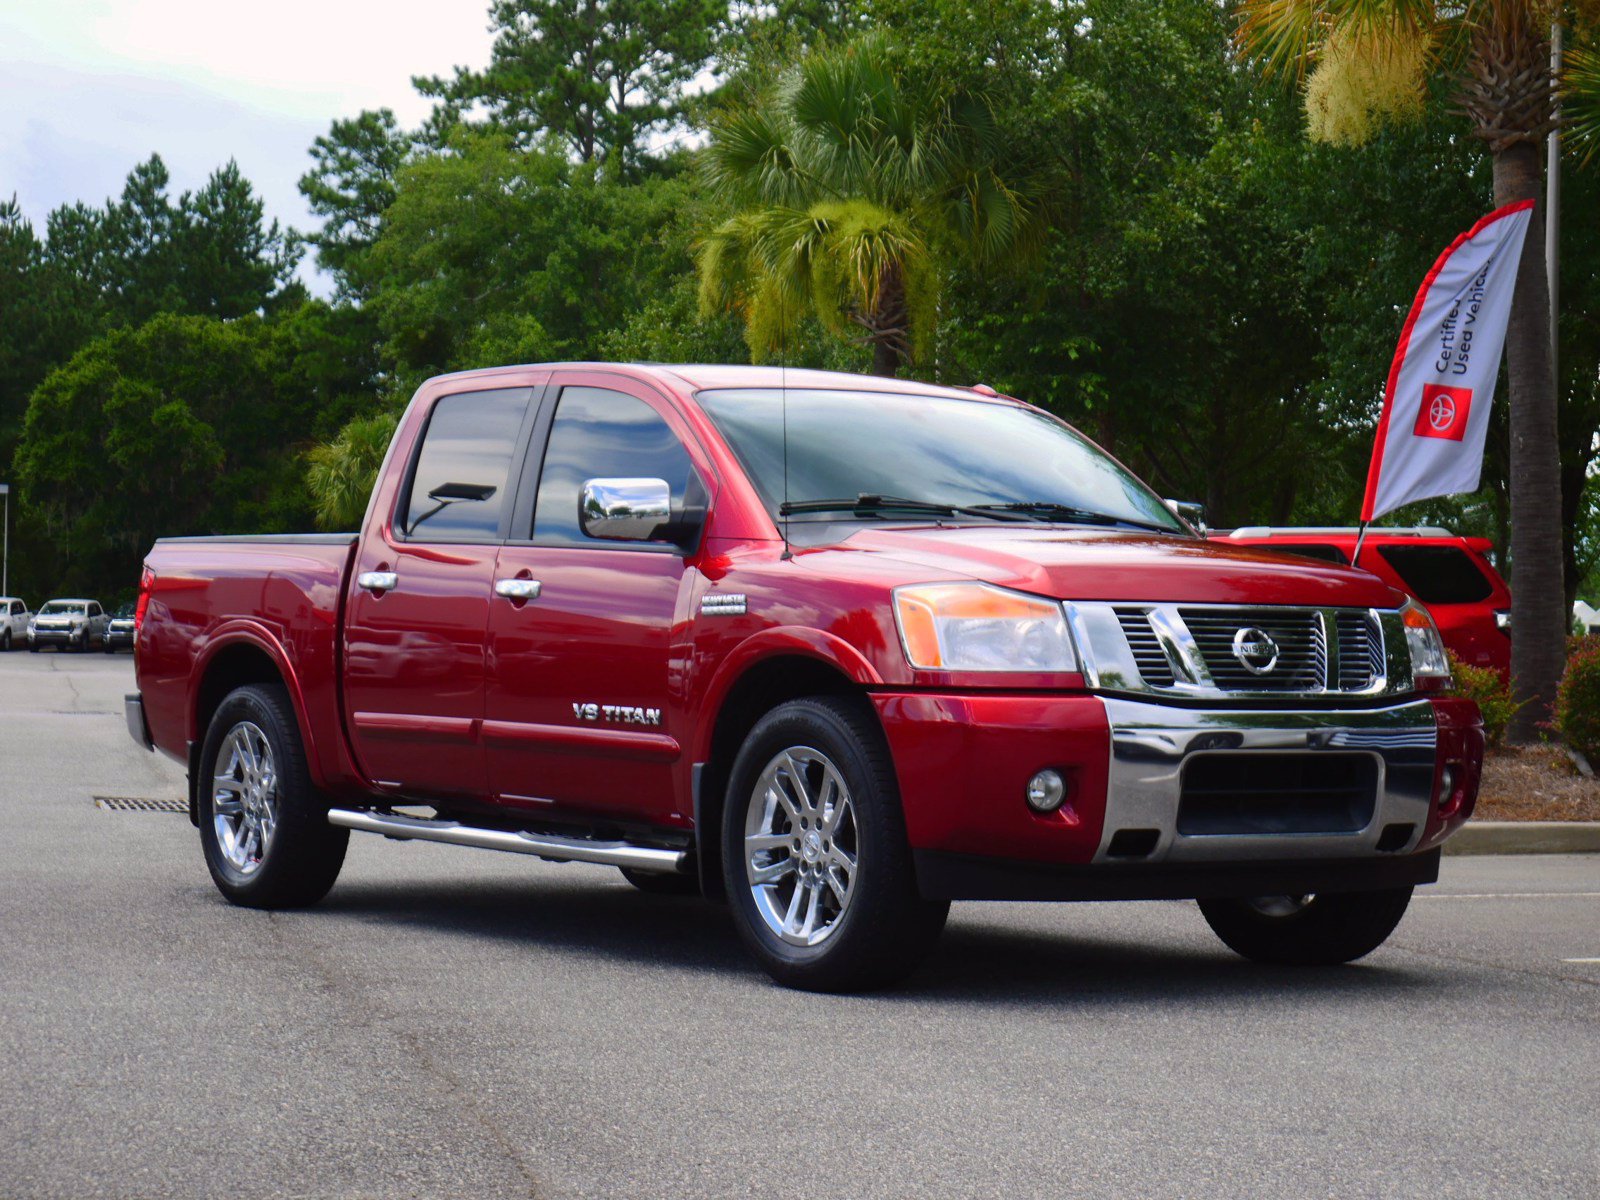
5,640
263,827
1310,930
818,868
662,883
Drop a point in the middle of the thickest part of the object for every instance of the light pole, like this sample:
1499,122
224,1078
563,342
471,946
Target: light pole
5,555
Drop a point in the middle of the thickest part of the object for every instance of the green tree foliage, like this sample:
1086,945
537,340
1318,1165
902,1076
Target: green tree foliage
342,472
181,425
212,252
350,186
492,254
596,76
855,191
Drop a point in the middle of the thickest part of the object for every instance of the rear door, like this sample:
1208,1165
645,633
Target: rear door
580,713
419,601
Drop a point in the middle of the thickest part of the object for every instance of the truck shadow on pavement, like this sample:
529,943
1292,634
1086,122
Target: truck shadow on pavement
974,961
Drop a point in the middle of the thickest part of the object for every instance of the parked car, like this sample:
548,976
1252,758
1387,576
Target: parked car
14,618
67,624
836,649
1451,576
120,628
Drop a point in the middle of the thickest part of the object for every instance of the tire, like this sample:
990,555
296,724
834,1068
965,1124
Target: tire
1319,930
275,849
33,647
877,929
106,647
5,641
662,883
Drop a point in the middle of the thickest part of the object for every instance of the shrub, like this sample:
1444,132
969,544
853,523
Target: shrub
1577,708
1491,690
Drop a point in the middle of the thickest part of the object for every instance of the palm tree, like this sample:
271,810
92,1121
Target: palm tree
341,472
854,191
1371,60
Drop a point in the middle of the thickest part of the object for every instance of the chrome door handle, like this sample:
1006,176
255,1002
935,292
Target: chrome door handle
517,589
377,581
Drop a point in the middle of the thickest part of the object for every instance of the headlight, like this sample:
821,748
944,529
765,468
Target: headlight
1428,659
977,627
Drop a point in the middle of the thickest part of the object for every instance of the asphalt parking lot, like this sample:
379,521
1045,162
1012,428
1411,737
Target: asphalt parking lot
455,1023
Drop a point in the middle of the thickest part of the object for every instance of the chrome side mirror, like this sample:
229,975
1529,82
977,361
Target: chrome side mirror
625,510
1191,511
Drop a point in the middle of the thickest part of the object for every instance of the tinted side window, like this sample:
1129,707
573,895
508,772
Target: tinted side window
458,490
601,434
1308,550
1438,574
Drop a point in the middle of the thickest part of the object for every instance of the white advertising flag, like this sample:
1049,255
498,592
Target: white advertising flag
1441,384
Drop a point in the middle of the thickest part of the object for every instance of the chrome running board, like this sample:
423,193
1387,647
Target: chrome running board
545,845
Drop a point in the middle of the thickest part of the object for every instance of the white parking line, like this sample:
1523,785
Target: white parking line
1581,960
1507,895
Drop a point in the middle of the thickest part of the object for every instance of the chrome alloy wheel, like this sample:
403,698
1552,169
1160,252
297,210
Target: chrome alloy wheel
800,846
1281,906
244,797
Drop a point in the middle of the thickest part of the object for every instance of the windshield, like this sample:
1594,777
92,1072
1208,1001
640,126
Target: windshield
943,451
125,610
61,608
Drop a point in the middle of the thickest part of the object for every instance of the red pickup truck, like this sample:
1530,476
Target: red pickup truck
835,649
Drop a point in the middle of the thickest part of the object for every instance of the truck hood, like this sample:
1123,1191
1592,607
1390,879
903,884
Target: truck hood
1098,564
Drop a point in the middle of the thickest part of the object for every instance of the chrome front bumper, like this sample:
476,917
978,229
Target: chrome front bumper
1151,744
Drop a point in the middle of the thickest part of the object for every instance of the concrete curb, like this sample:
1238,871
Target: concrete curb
1526,837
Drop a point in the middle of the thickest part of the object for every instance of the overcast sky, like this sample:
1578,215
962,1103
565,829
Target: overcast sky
89,88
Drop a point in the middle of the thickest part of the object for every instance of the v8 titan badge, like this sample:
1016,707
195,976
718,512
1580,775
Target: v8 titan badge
622,714
1444,412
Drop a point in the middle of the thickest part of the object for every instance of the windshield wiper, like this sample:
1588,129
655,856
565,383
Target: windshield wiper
1050,511
872,504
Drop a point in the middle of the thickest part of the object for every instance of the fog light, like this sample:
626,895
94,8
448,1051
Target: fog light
1046,791
1447,785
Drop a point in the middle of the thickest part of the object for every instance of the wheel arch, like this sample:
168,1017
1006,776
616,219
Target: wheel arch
238,658
747,689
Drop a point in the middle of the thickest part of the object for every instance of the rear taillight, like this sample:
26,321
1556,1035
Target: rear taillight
147,580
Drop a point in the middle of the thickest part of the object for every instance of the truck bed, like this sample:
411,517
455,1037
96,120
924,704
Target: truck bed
214,602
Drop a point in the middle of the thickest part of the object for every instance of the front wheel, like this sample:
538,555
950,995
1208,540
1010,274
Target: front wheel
818,868
263,828
1310,930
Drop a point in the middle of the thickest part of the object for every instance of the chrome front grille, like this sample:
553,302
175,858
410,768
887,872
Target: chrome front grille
1155,668
1302,660
1235,650
1360,650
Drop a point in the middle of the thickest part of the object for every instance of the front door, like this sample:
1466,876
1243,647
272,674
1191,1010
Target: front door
580,716
419,602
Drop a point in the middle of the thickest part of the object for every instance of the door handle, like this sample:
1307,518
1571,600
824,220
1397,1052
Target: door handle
517,589
377,581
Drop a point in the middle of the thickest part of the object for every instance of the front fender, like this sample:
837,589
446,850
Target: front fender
778,641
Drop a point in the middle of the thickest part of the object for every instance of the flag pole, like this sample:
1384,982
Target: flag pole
1361,536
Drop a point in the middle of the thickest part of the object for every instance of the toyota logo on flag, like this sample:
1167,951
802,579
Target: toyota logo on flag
1443,413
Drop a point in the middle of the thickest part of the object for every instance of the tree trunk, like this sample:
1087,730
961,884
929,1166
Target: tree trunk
889,324
1538,622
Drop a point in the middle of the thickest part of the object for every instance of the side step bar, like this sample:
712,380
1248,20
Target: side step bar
545,845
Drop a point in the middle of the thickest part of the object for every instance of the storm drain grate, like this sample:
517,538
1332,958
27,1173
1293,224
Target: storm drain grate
140,804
